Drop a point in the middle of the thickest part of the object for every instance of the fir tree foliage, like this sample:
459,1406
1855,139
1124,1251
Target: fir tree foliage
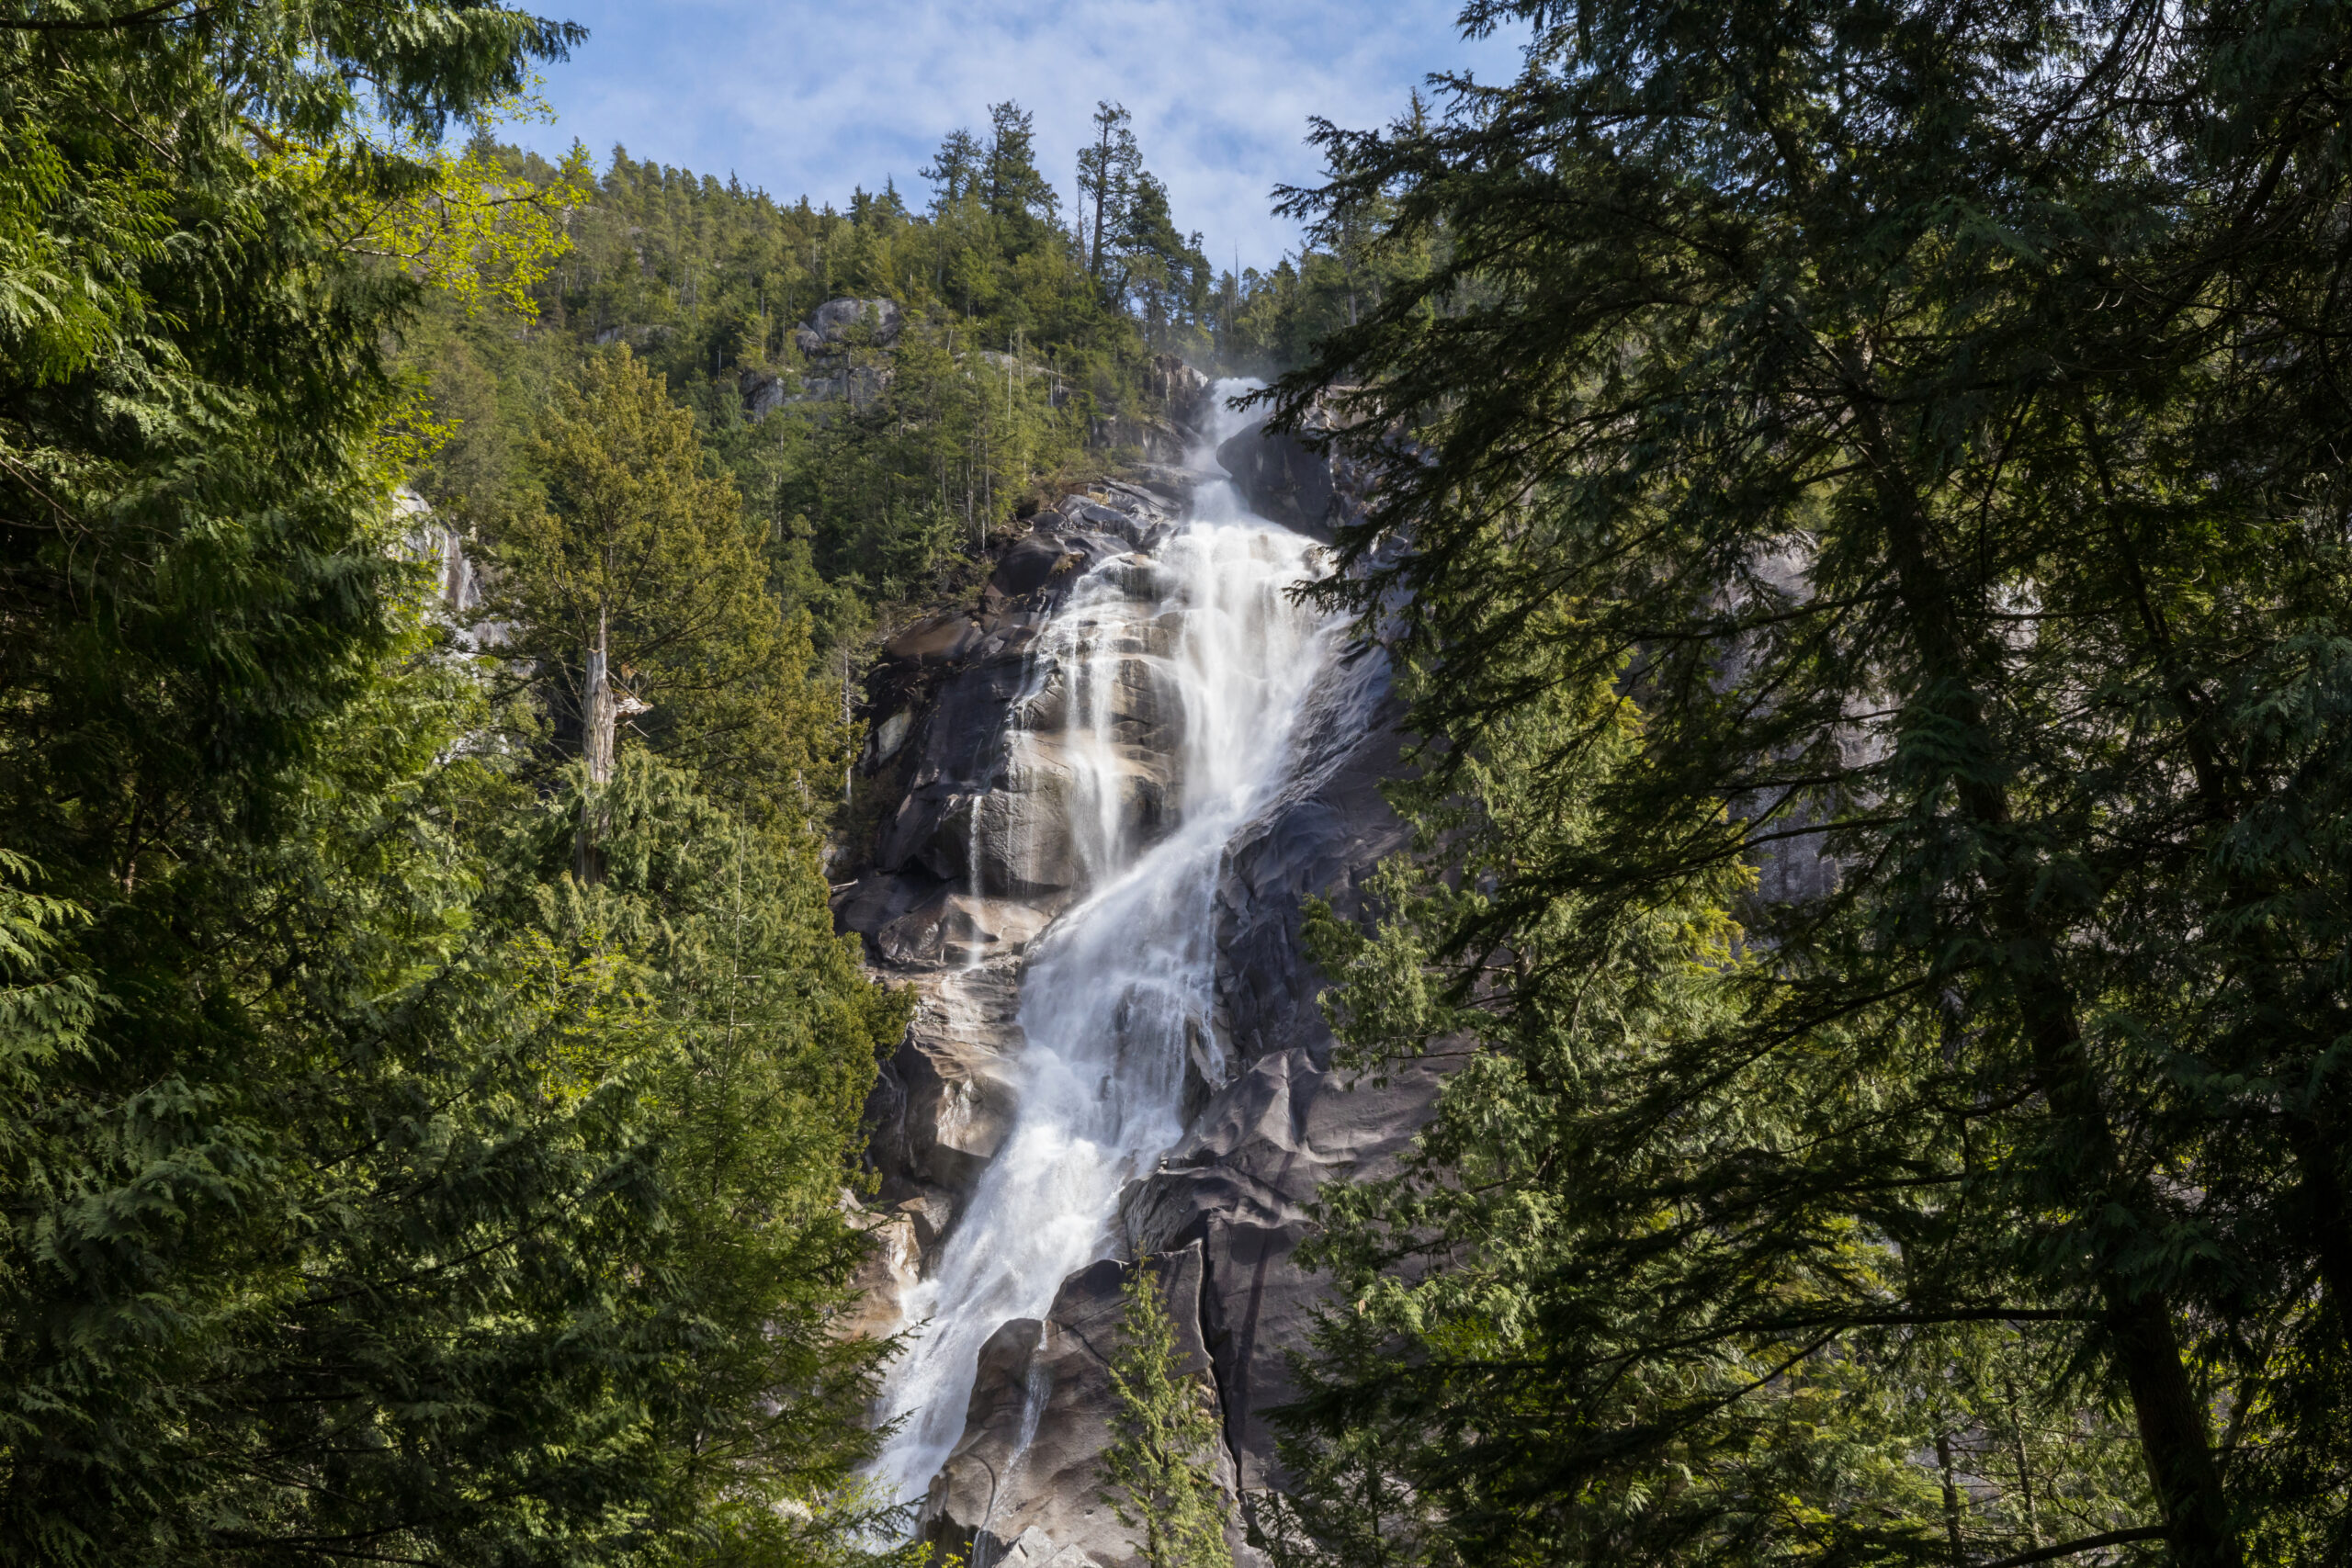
1871,557
1158,1473
372,1189
1013,371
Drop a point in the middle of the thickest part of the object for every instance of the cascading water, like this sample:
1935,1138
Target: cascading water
1159,709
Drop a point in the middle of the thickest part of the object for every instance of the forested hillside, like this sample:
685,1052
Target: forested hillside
999,347
423,1128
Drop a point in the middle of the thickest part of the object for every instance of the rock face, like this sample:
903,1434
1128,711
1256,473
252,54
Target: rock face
950,689
837,320
959,880
1284,478
1040,1416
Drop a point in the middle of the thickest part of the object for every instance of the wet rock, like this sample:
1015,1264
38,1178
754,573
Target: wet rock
1238,1187
957,929
941,638
1034,561
1325,834
1039,1419
929,1214
1282,478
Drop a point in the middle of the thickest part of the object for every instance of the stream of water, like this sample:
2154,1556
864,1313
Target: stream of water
1173,680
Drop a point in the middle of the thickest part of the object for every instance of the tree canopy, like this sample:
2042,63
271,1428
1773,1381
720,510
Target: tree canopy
1871,578
373,1188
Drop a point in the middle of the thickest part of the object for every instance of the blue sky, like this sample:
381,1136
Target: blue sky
816,98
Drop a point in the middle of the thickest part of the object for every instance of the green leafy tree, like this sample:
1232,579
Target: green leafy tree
756,1038
1874,455
1016,193
1157,1473
640,583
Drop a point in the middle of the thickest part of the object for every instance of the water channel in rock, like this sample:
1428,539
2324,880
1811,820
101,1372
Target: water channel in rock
1157,716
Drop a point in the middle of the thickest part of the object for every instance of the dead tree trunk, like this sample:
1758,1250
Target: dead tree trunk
599,718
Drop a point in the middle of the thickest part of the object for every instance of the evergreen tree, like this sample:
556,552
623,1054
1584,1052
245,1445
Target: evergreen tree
371,1192
1157,1474
1017,195
1107,168
955,172
861,503
1875,570
640,590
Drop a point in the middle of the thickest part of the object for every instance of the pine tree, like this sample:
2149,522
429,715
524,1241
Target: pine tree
955,171
1157,1473
1015,192
1106,171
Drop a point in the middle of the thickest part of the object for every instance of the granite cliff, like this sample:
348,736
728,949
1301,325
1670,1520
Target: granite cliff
992,798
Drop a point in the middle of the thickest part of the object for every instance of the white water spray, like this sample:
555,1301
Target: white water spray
1166,689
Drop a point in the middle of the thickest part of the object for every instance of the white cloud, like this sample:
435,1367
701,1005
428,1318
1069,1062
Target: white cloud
818,99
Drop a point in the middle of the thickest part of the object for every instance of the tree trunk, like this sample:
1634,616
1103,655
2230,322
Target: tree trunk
2174,1439
599,716
1951,1500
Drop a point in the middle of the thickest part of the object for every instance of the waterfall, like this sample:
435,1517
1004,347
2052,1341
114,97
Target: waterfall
1156,721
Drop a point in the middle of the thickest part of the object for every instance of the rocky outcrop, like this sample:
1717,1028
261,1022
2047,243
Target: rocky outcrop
946,694
842,322
1040,1418
1239,1187
1284,477
1164,430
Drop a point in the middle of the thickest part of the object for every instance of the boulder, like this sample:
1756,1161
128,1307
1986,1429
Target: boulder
883,1279
941,638
1282,478
1034,561
960,930
946,1098
836,318
1285,478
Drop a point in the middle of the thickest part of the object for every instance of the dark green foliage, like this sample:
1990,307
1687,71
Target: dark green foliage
1132,246
370,1192
643,557
756,1035
1904,434
1158,1473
